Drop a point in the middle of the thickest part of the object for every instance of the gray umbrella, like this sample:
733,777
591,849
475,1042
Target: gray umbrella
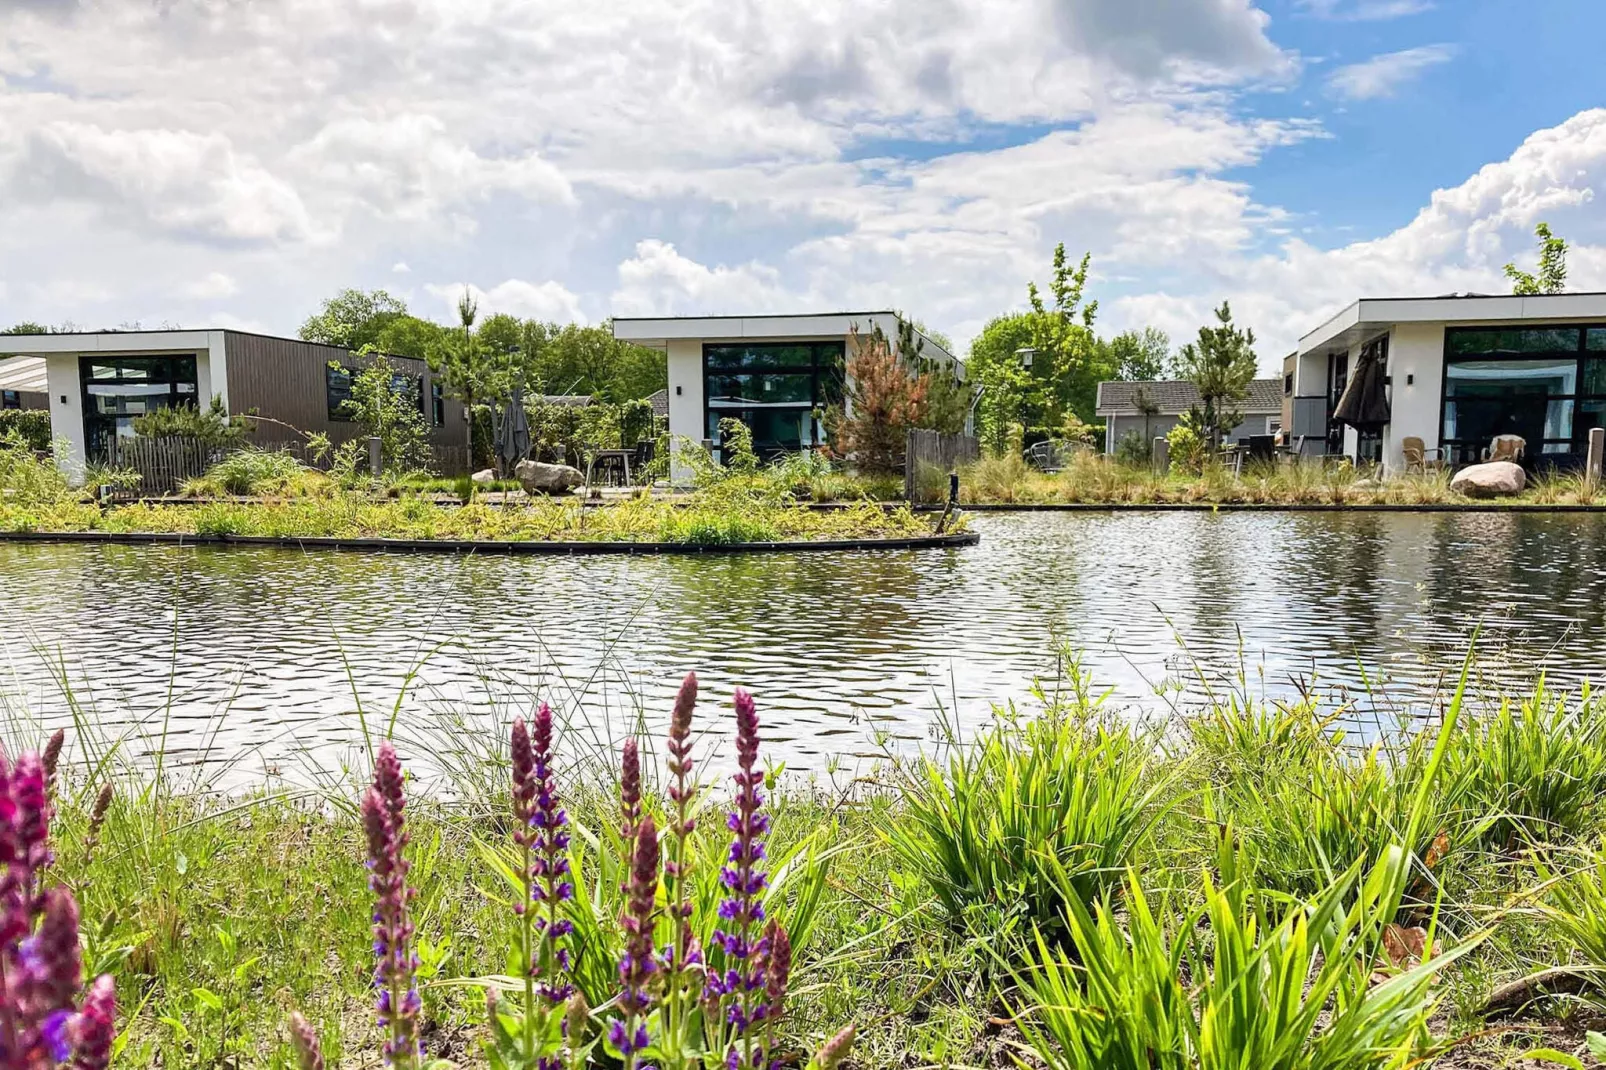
513,436
1365,402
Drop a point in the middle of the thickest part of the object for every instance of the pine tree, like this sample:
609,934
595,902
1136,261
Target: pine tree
1221,364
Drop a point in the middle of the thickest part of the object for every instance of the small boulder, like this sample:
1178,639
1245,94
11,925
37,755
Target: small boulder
483,478
540,478
1491,480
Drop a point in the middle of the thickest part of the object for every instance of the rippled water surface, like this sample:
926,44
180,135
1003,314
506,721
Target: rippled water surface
270,652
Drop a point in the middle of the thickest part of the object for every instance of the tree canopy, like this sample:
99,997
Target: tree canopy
1552,275
1220,364
354,318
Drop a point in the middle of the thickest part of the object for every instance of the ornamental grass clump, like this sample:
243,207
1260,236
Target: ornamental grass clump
45,1017
1235,984
993,828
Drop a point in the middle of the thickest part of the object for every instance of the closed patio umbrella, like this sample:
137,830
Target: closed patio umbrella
1364,402
513,437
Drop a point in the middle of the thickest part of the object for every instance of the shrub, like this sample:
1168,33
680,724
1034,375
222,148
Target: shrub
1029,808
211,427
1186,448
248,472
1132,450
30,426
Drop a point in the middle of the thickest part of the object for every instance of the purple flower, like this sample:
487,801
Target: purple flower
305,1040
549,870
383,819
96,1027
51,757
638,964
742,909
833,1051
630,791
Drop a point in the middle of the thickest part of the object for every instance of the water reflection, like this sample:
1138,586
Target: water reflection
847,651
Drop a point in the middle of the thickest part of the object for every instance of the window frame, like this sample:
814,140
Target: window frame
826,371
1462,450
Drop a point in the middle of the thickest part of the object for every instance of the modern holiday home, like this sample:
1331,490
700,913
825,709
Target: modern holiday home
1149,409
1448,374
97,384
776,374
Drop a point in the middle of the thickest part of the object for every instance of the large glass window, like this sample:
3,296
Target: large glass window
1542,384
779,390
119,390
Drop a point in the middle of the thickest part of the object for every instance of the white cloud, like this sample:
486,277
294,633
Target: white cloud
514,297
1365,10
1386,74
212,286
400,268
659,281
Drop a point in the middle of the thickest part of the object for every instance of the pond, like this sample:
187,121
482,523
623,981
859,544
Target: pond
256,658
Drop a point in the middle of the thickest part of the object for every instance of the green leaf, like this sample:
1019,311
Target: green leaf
1597,1044
1551,1055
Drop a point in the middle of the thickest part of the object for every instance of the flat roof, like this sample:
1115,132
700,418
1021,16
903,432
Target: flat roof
1372,315
657,331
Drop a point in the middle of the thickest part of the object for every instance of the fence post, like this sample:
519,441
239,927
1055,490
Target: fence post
909,465
1162,455
1597,454
374,465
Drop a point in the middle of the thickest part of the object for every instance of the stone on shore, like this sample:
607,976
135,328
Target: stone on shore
1492,480
483,478
537,477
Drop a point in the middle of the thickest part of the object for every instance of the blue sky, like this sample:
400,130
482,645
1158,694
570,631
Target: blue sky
714,156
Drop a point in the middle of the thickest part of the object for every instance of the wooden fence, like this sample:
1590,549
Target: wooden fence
934,453
163,463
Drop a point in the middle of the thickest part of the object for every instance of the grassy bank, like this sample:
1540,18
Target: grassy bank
704,521
1252,866
1092,479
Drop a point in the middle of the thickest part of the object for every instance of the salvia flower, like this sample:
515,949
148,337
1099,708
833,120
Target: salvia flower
833,1051
638,963
305,1040
550,883
681,959
630,791
741,912
52,756
97,815
385,824
41,1024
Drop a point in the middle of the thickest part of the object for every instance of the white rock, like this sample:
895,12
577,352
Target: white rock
483,478
1490,480
538,477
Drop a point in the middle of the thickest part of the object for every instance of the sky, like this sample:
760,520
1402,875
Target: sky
229,163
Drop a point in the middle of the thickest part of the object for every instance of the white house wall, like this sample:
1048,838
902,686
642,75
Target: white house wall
685,359
66,413
1416,371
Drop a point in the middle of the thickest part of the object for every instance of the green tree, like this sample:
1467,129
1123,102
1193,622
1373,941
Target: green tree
947,399
1552,277
1220,365
1064,335
353,319
995,370
575,359
460,366
1138,355
384,404
409,336
28,327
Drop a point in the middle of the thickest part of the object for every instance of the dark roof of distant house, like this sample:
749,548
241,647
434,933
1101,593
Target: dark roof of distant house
659,402
1172,397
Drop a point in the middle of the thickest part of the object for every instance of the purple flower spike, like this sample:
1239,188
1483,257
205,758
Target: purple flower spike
630,791
638,964
96,1027
549,871
385,824
739,987
305,1040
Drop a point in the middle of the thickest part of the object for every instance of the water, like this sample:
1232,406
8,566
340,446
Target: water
269,653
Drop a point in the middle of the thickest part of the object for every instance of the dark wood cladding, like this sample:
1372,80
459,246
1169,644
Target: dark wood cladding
285,379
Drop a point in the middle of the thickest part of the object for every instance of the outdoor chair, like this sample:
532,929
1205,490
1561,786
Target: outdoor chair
1418,458
1506,448
1045,456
